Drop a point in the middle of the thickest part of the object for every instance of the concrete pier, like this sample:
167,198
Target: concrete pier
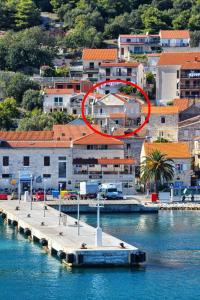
110,206
67,240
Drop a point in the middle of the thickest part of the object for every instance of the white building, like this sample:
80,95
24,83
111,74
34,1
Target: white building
174,38
137,44
92,59
57,99
115,110
129,71
66,155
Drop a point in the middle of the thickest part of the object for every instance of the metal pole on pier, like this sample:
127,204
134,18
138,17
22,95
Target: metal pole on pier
60,205
19,189
44,197
31,191
78,213
98,240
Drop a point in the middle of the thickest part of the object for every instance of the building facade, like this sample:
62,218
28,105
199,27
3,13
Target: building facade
137,44
163,122
92,59
174,38
128,71
177,76
64,156
179,153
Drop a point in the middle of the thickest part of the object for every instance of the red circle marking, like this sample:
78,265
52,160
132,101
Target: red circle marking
127,83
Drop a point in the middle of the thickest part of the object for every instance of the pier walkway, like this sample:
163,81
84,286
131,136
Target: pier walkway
66,240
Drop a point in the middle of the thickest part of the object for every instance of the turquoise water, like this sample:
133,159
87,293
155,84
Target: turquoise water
172,240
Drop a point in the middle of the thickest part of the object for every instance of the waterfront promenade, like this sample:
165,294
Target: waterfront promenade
74,244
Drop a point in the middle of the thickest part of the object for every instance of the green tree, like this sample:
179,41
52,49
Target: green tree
27,14
195,38
15,85
26,50
181,21
32,99
194,22
61,117
8,114
150,79
157,168
152,20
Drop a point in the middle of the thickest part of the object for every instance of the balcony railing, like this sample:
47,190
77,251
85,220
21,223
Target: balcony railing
190,87
101,173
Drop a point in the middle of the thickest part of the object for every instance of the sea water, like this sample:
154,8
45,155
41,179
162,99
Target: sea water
172,271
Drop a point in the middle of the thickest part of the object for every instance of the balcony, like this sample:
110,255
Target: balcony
102,173
189,87
90,69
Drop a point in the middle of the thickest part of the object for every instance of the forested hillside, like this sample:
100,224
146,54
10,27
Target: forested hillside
96,20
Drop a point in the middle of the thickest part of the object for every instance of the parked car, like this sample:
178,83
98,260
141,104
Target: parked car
39,196
114,195
3,196
70,196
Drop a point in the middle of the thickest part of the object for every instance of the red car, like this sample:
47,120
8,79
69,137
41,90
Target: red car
3,196
39,196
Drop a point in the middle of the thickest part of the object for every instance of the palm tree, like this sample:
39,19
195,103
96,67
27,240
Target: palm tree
157,168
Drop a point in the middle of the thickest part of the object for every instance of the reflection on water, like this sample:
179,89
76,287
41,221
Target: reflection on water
171,240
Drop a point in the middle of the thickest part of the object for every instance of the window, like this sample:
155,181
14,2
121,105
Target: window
177,74
62,157
47,161
46,175
62,169
107,71
91,166
90,75
122,51
116,166
91,65
58,101
74,111
128,40
104,166
78,87
162,119
5,175
69,86
186,133
128,146
26,161
116,121
5,161
104,147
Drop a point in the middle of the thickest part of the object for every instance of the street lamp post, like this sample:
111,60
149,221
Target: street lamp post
78,213
44,197
60,185
98,240
31,191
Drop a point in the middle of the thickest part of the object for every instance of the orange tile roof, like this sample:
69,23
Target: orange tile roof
59,91
153,55
39,144
140,134
174,34
133,64
70,132
27,135
172,150
165,110
100,54
95,139
116,161
188,65
178,58
182,104
119,115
